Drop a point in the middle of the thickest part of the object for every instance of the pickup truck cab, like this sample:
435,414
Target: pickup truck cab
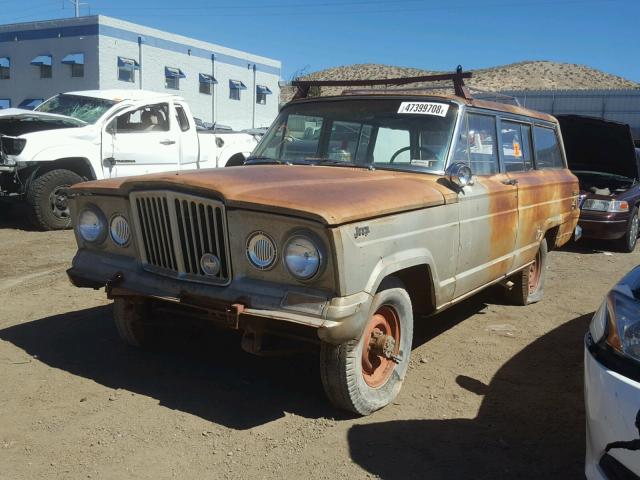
355,216
91,135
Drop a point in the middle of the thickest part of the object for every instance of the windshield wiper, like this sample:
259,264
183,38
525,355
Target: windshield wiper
338,163
263,161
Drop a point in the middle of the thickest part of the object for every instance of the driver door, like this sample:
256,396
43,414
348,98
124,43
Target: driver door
141,140
488,208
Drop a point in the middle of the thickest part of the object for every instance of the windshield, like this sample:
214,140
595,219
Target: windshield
398,134
87,109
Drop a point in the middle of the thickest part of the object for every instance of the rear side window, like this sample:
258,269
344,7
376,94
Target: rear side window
516,146
476,145
181,116
547,148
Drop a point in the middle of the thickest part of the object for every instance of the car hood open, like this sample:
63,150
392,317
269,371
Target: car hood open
16,121
599,145
331,195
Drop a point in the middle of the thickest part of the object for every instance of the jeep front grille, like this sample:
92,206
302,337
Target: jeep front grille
174,230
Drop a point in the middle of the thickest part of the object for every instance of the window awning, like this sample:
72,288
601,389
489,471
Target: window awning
204,78
42,60
263,89
74,59
5,103
128,62
237,85
30,103
5,62
171,72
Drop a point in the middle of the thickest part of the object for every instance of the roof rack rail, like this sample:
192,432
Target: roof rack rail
461,90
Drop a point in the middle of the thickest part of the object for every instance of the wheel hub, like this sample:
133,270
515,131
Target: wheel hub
380,353
59,202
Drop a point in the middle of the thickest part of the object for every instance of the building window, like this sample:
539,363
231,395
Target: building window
5,103
235,86
5,68
206,83
76,61
43,62
172,78
261,94
127,69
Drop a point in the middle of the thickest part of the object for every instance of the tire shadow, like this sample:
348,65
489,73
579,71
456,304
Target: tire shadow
201,371
530,423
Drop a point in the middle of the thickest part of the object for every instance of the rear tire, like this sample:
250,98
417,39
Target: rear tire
529,283
132,322
628,242
355,377
48,207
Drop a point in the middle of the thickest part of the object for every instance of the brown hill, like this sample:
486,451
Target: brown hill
529,75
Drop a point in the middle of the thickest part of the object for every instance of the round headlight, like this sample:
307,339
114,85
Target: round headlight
92,225
119,230
261,250
302,257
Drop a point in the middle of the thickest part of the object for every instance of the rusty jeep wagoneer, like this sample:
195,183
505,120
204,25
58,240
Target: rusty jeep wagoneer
357,215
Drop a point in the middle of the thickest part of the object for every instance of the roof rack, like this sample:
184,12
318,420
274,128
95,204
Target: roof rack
461,90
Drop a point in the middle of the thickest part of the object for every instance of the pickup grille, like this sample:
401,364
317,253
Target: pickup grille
175,230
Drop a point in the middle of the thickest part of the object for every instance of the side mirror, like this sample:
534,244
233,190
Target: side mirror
459,174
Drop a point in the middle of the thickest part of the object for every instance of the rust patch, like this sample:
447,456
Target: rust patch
331,195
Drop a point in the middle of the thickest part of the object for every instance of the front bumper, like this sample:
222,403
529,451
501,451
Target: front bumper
602,225
611,403
337,319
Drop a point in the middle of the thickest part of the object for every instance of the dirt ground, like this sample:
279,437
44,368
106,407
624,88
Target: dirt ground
493,391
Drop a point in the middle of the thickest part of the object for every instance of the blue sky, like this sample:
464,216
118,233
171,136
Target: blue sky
429,34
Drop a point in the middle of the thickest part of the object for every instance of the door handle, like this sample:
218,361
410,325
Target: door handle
167,142
510,181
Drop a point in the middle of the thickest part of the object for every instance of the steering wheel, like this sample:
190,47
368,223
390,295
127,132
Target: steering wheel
404,149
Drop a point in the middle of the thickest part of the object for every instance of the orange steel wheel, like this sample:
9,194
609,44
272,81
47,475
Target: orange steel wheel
382,345
535,271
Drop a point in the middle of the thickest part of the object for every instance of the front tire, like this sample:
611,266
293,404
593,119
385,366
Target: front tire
529,283
628,242
366,374
48,206
132,322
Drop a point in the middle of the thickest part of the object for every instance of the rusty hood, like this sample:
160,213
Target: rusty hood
331,195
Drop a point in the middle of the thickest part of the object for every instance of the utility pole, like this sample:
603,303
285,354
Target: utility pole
77,4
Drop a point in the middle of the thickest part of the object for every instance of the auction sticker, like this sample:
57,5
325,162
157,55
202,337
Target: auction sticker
424,108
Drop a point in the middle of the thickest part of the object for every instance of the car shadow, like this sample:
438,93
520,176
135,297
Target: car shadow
14,217
200,371
530,423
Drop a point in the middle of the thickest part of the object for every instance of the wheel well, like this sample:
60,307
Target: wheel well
418,282
79,165
235,160
551,235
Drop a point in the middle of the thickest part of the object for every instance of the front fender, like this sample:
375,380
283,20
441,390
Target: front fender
399,261
65,151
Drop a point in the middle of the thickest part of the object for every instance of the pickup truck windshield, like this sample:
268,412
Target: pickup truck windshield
87,109
400,134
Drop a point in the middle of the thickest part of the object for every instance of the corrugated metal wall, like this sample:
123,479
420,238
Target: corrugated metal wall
617,105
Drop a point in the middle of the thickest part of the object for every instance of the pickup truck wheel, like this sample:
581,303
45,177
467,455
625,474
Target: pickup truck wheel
48,205
364,375
130,318
628,242
529,283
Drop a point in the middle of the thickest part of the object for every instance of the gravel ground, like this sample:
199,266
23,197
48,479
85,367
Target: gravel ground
493,391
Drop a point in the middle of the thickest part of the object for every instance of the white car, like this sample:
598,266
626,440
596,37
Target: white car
97,134
612,384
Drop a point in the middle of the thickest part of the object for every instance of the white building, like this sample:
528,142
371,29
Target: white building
40,59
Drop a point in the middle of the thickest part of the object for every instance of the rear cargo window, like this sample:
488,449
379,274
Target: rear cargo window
516,146
548,153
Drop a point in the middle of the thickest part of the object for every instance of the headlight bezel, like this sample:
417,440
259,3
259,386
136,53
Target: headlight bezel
319,248
102,235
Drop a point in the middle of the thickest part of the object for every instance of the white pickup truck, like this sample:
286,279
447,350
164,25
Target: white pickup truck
91,135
